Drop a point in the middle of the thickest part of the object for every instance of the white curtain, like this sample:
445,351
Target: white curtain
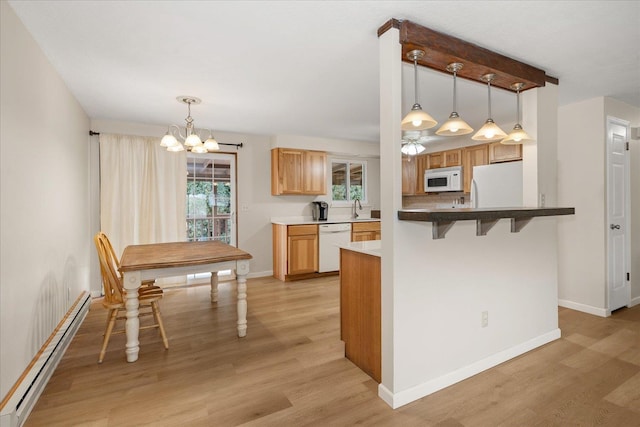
142,191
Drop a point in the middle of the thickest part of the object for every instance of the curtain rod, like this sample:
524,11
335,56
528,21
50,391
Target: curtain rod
238,146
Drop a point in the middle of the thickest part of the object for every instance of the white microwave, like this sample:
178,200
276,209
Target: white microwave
443,179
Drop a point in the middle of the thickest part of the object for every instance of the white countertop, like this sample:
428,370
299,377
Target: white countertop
309,220
369,247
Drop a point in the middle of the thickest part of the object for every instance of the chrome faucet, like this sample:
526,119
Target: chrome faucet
356,202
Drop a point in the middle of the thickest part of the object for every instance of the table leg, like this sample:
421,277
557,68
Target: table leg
242,269
132,324
214,286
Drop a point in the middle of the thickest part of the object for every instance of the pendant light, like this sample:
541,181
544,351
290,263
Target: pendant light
489,131
455,125
417,119
517,135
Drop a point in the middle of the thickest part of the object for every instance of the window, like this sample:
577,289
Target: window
210,202
348,180
209,198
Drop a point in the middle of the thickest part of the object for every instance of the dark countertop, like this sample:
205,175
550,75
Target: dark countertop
485,218
461,214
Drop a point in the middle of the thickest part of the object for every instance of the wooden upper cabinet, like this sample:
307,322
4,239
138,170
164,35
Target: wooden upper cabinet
453,158
435,160
504,153
296,171
314,172
475,155
422,163
409,180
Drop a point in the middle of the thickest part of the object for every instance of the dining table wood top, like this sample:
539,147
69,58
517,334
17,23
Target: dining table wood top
174,254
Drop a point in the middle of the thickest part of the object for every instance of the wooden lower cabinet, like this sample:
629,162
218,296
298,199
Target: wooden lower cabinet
360,325
295,250
361,231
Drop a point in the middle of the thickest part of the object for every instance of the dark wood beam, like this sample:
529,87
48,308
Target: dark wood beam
441,50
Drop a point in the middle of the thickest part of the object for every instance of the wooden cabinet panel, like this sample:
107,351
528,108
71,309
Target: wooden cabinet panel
295,250
361,231
409,180
453,158
475,155
435,160
504,153
422,162
315,172
303,254
360,319
296,171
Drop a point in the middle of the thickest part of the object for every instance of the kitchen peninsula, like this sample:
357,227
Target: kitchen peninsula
360,305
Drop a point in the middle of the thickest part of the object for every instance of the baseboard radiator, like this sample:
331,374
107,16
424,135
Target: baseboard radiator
17,405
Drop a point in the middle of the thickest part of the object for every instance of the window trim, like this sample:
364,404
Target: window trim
348,162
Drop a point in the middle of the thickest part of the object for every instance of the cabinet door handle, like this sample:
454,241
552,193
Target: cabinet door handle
614,226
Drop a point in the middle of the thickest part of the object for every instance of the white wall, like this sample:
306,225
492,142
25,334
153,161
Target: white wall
256,205
582,184
44,199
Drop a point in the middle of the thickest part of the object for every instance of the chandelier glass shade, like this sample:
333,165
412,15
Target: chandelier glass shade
192,136
517,135
489,131
417,119
412,143
454,126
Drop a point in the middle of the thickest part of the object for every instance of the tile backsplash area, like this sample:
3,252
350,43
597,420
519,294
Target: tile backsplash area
434,201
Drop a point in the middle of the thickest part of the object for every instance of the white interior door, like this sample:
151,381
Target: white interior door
618,214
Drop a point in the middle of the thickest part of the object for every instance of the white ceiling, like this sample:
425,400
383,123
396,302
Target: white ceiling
311,67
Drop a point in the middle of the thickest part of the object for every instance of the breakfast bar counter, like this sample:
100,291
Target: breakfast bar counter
485,218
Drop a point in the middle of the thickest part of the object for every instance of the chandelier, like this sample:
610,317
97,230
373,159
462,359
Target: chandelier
192,136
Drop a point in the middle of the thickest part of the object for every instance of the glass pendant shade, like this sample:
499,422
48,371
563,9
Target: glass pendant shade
455,125
416,119
193,140
211,144
176,148
489,132
517,135
168,140
199,149
412,148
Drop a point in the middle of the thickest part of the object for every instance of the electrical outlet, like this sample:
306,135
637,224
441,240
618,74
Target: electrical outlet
542,200
244,208
485,319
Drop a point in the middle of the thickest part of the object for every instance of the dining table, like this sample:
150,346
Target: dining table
153,261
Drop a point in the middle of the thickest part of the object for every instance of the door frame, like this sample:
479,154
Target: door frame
627,214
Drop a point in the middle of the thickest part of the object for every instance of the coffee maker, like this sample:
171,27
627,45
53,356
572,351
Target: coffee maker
320,210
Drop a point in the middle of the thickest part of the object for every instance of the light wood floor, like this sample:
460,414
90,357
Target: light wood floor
290,371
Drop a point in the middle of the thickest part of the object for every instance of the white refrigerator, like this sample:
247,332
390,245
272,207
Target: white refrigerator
497,186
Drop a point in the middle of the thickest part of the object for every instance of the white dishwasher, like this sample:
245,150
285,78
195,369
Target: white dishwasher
330,236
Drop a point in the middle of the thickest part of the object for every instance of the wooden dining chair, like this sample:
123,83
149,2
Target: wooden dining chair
114,295
112,253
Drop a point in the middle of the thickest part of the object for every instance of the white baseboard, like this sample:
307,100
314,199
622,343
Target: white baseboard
33,381
396,400
596,311
634,301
